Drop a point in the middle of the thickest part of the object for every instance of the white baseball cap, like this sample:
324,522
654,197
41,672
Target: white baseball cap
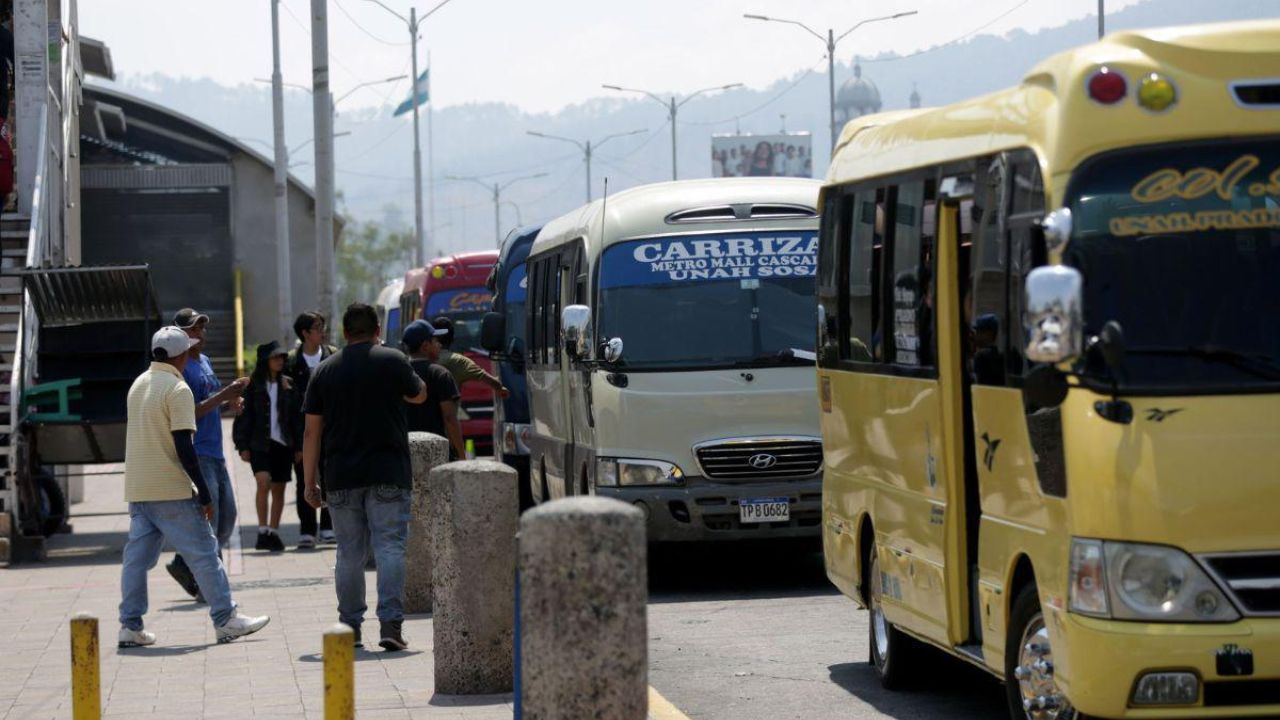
172,340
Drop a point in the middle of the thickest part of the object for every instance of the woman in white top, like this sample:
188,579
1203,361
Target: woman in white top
268,436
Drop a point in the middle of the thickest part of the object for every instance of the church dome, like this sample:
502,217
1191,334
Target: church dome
858,96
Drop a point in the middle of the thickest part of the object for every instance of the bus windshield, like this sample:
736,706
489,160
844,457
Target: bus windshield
465,307
716,300
1181,246
514,297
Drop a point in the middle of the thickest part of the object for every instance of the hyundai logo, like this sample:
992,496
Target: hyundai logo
762,461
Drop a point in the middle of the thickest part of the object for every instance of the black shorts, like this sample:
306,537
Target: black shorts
278,462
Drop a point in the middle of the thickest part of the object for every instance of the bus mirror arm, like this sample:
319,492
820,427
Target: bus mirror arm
1111,346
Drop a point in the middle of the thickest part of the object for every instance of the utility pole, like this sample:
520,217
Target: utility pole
830,41
431,163
323,114
284,273
1102,18
418,236
673,108
496,189
588,150
414,23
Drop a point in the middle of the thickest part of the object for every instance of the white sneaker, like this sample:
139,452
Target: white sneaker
239,626
328,538
135,638
306,541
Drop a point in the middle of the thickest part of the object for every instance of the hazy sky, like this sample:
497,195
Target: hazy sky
538,54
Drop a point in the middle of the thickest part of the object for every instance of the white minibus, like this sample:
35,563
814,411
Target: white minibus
670,357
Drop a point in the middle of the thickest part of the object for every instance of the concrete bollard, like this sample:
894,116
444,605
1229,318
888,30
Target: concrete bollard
475,506
339,673
86,685
426,451
583,588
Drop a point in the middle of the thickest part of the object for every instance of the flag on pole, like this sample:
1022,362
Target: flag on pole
423,88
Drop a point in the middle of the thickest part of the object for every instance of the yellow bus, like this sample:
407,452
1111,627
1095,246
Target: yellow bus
1049,378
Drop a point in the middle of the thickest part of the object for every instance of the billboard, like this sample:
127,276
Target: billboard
780,154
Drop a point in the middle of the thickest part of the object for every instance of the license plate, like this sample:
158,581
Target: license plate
764,510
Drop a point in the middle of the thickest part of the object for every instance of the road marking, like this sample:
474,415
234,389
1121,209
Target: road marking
661,709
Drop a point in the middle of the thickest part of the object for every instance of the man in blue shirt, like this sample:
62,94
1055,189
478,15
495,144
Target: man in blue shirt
211,398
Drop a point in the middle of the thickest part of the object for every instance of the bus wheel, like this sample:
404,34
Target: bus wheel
890,647
1028,664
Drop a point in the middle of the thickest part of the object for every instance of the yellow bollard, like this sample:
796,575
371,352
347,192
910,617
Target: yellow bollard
339,673
86,686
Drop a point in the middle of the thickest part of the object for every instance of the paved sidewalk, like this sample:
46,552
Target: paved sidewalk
276,673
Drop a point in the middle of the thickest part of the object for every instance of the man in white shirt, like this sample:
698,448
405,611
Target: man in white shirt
312,348
168,497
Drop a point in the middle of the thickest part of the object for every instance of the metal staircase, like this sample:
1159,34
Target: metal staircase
14,237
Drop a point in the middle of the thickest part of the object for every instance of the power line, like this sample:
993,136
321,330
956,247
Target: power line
953,41
764,105
306,29
649,139
365,30
375,176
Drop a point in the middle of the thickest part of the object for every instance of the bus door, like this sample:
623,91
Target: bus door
1009,446
896,428
577,382
543,371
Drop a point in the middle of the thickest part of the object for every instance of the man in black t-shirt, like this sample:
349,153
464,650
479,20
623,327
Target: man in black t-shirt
439,414
355,404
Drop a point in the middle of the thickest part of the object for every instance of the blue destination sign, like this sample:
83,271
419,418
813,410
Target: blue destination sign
448,302
736,256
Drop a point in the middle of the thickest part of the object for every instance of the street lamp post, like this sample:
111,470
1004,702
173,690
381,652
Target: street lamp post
371,83
673,107
413,22
830,41
586,147
280,177
496,188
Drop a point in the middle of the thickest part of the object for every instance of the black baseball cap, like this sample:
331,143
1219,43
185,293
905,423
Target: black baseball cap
188,318
268,350
443,326
418,332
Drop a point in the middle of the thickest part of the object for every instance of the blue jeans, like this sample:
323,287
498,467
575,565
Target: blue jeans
223,496
183,524
380,515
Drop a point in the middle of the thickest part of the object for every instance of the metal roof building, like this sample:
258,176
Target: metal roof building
161,188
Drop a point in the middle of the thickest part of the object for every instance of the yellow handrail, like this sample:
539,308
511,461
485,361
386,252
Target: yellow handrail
239,325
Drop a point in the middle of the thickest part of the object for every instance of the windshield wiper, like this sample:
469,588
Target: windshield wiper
790,356
1262,366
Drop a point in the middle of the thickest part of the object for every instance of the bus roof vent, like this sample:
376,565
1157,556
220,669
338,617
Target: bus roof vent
1257,94
741,211
714,213
779,211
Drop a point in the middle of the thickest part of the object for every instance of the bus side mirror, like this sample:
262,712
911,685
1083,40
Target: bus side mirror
493,330
1054,318
576,334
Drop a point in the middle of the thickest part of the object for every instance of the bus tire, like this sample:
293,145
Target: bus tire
890,650
52,510
1028,664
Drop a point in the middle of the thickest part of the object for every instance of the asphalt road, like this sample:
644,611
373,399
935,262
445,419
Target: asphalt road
747,632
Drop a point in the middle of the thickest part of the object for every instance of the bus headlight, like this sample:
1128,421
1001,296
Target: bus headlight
1143,582
627,472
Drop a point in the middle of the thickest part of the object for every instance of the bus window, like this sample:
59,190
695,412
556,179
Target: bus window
990,281
1027,207
835,229
537,279
551,318
865,253
912,279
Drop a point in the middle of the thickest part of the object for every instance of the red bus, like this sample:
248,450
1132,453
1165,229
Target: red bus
454,286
